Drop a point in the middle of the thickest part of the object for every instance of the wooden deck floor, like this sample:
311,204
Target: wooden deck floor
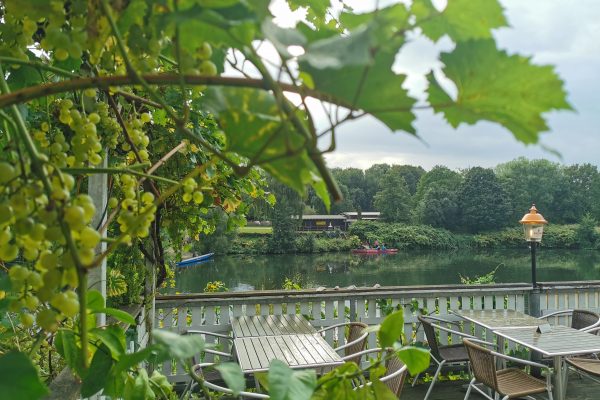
578,389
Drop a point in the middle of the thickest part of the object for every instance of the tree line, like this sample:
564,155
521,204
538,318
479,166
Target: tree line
470,200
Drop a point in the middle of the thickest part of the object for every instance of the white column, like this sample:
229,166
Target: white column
98,191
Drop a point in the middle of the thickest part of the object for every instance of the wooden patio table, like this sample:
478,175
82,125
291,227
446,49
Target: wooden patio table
561,341
260,339
498,319
302,351
270,325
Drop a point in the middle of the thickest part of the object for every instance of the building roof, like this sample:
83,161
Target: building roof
363,214
320,216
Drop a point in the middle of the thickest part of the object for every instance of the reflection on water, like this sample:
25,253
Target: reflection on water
408,268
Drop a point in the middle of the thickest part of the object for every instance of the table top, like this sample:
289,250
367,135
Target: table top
270,325
499,319
561,341
254,354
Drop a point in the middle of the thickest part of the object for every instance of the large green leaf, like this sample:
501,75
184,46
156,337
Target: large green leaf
460,20
497,87
381,391
98,372
113,337
94,300
178,346
286,384
233,376
282,38
19,379
120,315
374,88
66,345
416,358
255,130
340,51
391,329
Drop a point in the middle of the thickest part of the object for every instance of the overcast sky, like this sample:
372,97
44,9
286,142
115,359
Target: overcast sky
559,32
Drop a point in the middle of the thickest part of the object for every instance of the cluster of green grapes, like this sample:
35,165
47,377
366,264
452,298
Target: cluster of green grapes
190,191
198,62
53,143
17,35
85,144
30,230
137,209
138,137
111,130
66,35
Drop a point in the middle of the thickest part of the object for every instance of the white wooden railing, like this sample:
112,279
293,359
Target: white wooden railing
212,312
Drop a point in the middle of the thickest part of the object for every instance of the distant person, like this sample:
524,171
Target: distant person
382,246
376,244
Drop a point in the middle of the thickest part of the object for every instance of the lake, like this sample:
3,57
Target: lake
263,272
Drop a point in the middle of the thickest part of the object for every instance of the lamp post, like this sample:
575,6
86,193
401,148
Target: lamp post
533,227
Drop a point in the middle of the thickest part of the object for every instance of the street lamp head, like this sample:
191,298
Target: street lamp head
533,225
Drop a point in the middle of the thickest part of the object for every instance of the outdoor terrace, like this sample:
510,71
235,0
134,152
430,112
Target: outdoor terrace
213,312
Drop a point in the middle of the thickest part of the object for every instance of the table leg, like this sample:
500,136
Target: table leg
558,379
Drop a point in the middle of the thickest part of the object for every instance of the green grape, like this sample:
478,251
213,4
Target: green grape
51,278
61,54
89,237
32,302
48,320
8,252
112,203
145,117
26,319
147,198
7,172
37,232
187,197
49,260
198,197
208,68
74,216
54,234
86,256
6,214
24,226
204,52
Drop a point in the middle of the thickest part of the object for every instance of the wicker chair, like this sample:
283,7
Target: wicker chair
509,383
442,354
396,371
582,320
356,339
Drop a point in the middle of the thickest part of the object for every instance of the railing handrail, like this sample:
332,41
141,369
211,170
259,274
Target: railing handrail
367,292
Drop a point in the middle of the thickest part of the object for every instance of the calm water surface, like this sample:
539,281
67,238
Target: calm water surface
407,268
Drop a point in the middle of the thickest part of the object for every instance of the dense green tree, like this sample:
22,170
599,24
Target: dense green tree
411,175
373,176
285,218
483,202
533,181
393,199
581,192
438,177
439,208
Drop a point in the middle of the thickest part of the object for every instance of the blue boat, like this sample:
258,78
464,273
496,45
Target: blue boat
195,260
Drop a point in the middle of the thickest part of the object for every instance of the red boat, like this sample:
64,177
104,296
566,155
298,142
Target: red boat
374,251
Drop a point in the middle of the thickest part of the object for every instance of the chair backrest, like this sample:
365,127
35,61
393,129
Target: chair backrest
583,319
397,382
355,331
431,337
482,364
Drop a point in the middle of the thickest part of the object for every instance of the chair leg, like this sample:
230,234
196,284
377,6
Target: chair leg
416,378
437,372
550,397
469,389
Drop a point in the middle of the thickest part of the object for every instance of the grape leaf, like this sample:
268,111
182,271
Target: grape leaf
460,20
98,372
374,88
416,359
282,38
339,51
497,87
19,379
255,130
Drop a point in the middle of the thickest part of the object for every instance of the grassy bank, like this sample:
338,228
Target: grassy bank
401,236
